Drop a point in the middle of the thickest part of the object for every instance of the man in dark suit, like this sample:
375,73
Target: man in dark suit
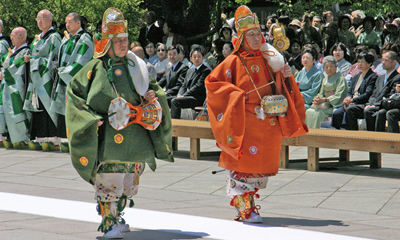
393,115
174,77
375,116
150,33
192,92
361,88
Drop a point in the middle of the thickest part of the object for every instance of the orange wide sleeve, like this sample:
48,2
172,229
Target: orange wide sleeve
226,109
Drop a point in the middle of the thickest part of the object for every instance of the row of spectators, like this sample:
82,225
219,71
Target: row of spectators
339,43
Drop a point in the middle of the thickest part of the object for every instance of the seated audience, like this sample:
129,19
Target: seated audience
135,44
173,78
360,90
182,55
225,33
268,24
327,18
295,25
309,78
354,70
374,114
330,97
380,27
295,52
393,116
339,52
192,92
208,58
227,49
388,46
150,68
332,38
357,17
344,24
170,36
162,63
393,29
308,34
151,53
317,23
369,36
218,45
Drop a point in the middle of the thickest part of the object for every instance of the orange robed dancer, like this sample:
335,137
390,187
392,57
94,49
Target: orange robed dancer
249,139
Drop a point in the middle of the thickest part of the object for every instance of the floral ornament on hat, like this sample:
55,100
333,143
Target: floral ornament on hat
113,26
244,20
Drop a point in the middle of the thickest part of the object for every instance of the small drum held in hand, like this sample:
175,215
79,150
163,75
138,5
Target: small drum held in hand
122,114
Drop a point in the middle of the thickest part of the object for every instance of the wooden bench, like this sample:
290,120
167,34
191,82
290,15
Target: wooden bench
375,143
195,130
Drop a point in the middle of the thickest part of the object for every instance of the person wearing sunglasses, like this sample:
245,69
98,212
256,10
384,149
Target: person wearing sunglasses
162,63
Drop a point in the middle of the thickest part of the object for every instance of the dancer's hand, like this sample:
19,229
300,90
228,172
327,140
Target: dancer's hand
150,95
286,71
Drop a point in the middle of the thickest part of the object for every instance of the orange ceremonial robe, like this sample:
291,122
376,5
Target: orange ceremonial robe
248,144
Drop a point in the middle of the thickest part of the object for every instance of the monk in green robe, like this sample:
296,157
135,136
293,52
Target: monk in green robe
43,64
76,51
15,121
111,158
3,51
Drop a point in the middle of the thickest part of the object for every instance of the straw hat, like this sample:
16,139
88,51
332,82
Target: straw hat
295,22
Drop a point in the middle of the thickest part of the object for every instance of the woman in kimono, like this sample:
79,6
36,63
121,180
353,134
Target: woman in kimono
339,52
107,153
309,78
330,97
250,141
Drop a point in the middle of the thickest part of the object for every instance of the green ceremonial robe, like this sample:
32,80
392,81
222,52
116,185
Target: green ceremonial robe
74,53
43,67
3,46
335,88
3,52
89,95
12,117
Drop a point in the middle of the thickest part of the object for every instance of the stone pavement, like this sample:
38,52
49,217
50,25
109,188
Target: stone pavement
350,201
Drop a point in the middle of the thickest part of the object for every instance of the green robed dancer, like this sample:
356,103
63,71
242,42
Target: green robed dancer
112,157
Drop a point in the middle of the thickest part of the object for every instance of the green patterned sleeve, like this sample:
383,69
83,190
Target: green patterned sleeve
81,55
4,48
162,136
81,122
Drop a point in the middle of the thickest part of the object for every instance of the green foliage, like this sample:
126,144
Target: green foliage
23,13
242,2
375,7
